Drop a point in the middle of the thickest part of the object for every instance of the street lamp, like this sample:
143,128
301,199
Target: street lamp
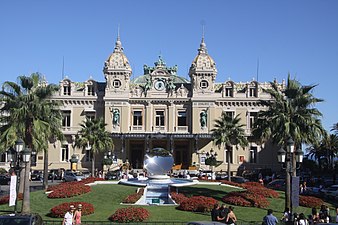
16,157
286,159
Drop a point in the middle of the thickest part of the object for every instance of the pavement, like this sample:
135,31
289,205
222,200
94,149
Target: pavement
34,186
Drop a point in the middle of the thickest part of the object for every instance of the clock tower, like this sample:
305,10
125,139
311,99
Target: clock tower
117,72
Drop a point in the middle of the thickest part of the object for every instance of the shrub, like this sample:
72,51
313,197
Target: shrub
67,191
133,198
198,204
263,191
59,211
5,199
178,197
235,199
130,214
309,201
245,198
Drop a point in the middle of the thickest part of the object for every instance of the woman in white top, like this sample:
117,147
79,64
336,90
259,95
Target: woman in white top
68,218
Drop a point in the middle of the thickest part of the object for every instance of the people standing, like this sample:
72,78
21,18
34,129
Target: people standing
224,212
77,215
302,220
270,219
315,215
337,215
216,214
231,218
68,218
286,216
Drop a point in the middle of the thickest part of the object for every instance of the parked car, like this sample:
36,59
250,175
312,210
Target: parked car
5,179
112,175
205,223
21,219
331,191
86,173
278,184
221,176
238,179
36,175
72,176
54,174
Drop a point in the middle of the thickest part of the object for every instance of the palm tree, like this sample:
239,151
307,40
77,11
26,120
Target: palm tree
28,114
335,128
290,113
94,135
228,131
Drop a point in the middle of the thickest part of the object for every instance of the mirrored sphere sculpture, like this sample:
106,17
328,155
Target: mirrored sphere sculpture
158,161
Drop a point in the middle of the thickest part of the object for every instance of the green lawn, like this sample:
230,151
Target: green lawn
106,199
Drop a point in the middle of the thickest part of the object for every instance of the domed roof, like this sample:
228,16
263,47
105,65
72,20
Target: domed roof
203,60
117,60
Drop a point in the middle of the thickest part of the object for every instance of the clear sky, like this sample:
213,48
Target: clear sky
299,37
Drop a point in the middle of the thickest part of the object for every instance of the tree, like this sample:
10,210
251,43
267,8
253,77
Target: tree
228,131
27,113
94,135
290,113
335,128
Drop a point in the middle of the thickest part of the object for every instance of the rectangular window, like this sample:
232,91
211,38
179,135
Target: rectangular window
66,90
159,119
64,153
252,119
90,116
252,92
253,155
88,156
3,157
181,118
228,92
230,114
137,118
66,118
90,90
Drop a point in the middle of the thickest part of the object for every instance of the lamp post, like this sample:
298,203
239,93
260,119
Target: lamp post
16,157
286,158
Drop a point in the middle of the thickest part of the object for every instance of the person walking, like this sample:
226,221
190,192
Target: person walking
270,219
77,215
68,218
231,218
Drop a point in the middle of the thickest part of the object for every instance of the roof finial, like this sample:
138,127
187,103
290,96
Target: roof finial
202,48
118,44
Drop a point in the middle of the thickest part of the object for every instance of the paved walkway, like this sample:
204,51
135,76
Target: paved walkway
34,186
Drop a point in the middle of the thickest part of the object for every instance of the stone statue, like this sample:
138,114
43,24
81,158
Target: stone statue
147,86
116,117
203,118
171,86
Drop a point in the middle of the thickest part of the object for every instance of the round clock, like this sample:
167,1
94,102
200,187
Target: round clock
159,85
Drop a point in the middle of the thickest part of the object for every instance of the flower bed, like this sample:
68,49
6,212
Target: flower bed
263,191
197,204
231,183
91,180
84,181
59,211
245,198
133,198
178,197
5,199
67,191
130,214
309,201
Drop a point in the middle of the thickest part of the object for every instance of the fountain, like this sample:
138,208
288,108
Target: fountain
157,162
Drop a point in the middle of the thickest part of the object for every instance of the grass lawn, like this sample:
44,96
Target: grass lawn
106,199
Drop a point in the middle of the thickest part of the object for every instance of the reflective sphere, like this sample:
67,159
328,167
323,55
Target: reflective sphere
158,161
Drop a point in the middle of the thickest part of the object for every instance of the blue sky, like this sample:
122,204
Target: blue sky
299,37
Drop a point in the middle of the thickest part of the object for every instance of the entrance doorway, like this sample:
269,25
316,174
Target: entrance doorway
136,155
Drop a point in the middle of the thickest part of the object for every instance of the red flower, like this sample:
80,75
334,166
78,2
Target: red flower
309,201
68,190
59,211
130,214
197,204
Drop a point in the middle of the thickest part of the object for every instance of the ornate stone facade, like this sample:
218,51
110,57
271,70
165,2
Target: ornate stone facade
160,109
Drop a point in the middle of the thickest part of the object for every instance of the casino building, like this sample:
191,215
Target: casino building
160,109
